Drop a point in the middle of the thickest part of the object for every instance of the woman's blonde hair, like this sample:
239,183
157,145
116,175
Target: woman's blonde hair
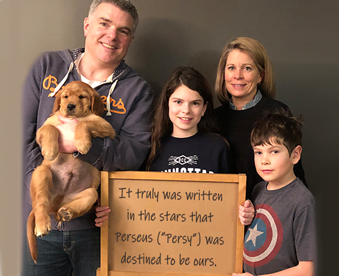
261,59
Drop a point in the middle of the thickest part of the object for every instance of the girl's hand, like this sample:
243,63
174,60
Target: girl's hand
242,274
101,213
246,212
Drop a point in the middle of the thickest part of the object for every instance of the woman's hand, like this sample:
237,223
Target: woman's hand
101,213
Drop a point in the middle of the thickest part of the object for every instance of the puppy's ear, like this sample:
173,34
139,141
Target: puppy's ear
97,106
57,102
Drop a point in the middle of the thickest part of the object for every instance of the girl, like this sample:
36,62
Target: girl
182,137
182,134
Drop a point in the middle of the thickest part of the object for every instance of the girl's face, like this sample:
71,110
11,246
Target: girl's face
242,77
186,107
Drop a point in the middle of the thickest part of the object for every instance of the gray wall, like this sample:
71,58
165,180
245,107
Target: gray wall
300,36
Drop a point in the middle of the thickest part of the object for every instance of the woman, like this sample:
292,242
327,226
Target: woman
246,89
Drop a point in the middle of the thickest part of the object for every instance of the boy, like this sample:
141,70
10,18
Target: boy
281,239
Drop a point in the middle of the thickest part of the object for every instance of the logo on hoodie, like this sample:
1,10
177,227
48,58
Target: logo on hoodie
50,83
115,107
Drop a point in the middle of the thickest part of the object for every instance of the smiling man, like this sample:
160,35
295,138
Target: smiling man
73,247
109,32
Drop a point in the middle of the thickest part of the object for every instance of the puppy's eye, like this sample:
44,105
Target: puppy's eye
65,96
81,97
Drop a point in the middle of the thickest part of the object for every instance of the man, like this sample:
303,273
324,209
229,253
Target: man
109,29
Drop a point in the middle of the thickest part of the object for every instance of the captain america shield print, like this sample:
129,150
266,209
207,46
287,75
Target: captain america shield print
264,237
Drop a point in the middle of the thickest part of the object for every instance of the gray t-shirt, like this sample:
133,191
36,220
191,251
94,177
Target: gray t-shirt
283,230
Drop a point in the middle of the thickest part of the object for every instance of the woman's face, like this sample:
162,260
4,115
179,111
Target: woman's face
242,77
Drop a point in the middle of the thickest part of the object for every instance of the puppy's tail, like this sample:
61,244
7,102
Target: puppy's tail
31,236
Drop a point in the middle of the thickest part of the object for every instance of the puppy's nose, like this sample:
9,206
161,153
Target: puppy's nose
70,107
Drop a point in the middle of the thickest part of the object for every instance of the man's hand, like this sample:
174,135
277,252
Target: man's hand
66,137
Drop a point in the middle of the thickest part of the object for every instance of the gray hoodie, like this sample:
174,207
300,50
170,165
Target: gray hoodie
127,99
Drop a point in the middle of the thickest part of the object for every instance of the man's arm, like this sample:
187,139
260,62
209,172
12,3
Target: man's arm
31,154
128,150
31,100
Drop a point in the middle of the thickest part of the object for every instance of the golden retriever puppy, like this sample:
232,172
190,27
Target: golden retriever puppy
64,185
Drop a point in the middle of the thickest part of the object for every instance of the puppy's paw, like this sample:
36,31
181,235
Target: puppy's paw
112,134
83,145
50,153
64,214
42,226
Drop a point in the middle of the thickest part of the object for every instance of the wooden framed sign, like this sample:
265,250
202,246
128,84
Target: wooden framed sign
171,223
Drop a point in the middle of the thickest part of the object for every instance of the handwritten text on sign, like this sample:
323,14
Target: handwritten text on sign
173,226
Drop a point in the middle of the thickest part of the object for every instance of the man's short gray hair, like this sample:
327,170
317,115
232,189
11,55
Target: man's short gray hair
124,5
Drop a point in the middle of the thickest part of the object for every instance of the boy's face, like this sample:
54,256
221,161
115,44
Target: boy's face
274,163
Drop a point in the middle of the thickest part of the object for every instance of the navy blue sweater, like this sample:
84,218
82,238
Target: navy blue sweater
236,127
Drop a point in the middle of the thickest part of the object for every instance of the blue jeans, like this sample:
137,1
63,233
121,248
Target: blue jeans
61,253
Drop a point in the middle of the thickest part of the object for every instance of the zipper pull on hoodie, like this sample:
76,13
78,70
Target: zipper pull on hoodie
56,89
108,101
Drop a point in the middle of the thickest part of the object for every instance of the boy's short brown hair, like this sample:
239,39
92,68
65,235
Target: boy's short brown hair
278,127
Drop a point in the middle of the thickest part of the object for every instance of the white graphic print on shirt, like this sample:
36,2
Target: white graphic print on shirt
182,160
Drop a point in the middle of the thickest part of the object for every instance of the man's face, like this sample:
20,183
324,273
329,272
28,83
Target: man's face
108,32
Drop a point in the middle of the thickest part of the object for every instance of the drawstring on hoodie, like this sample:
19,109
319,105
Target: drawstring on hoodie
56,89
108,101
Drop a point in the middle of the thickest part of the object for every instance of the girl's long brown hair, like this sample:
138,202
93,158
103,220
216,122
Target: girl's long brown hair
162,125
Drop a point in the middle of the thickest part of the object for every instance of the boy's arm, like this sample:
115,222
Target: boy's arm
304,268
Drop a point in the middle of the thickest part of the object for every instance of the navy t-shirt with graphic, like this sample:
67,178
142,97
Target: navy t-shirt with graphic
200,153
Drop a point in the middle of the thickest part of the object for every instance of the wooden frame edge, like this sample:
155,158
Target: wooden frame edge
105,176
103,269
240,227
142,175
